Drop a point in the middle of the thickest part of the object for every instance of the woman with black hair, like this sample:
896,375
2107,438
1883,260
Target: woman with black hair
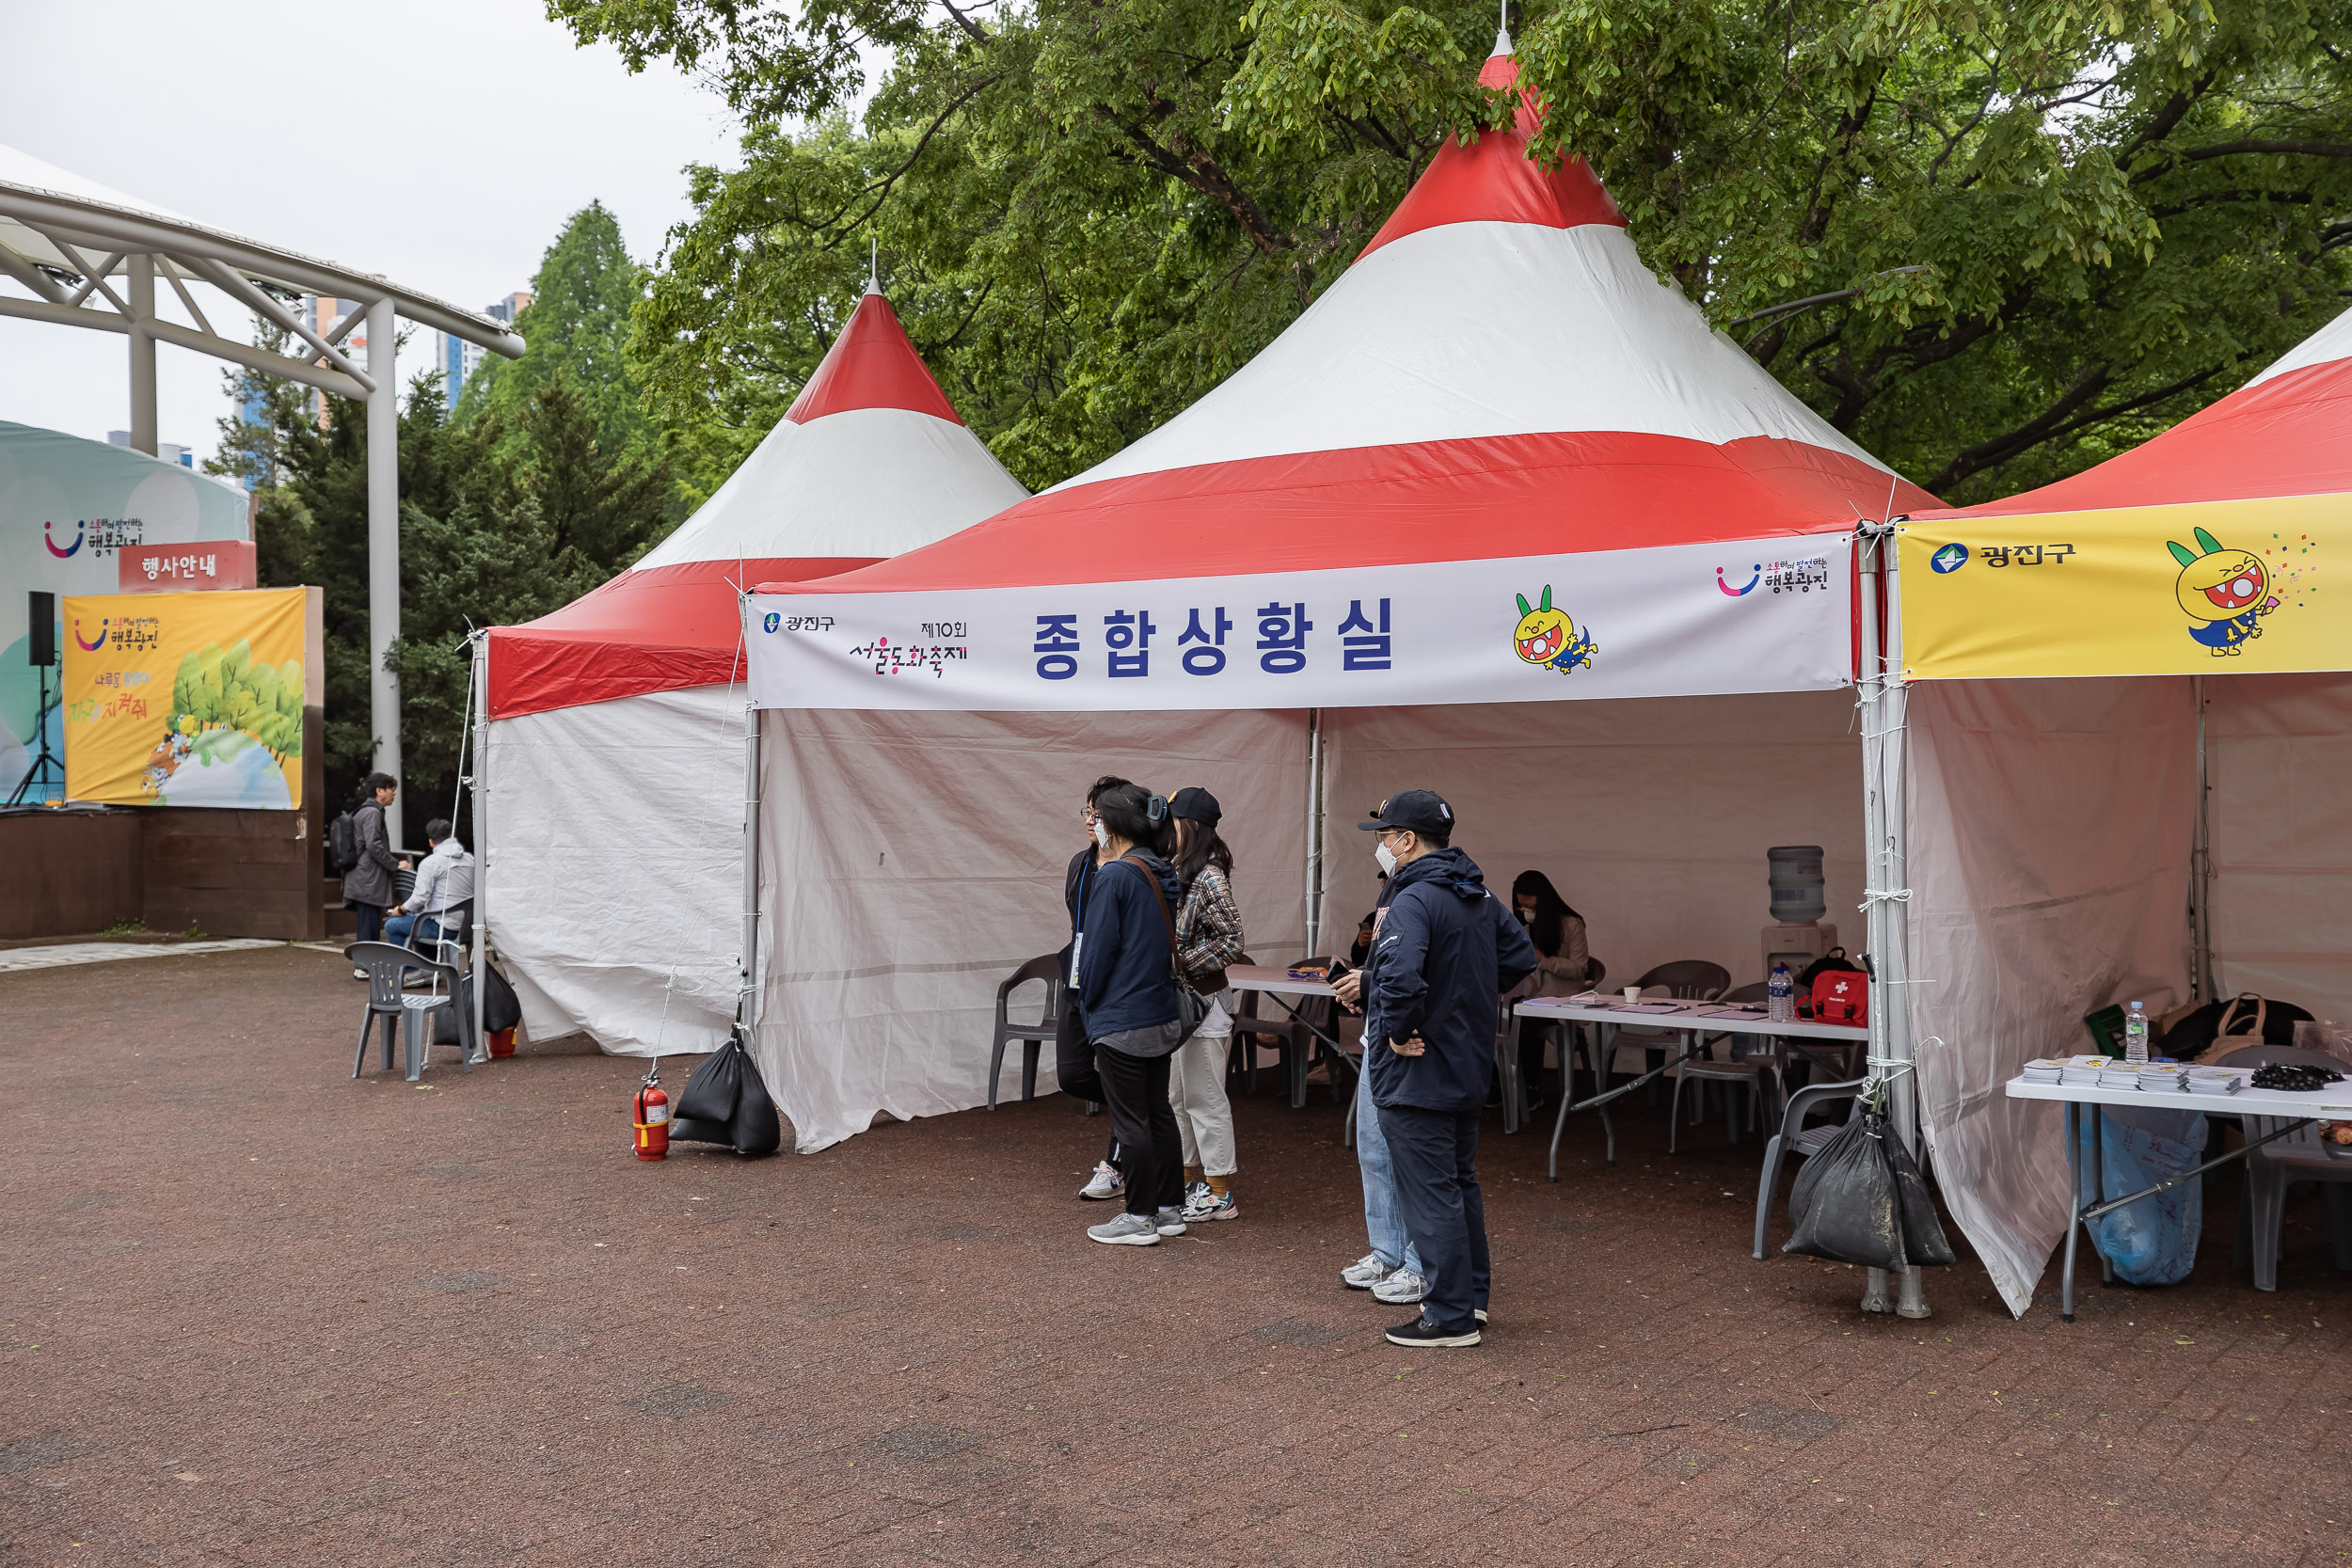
1208,938
1562,966
1126,980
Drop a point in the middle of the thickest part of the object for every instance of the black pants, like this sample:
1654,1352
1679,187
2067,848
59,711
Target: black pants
1136,1089
1435,1156
1073,1067
371,922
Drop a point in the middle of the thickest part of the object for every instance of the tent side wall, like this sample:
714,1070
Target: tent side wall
911,861
2279,749
1650,815
2049,827
616,860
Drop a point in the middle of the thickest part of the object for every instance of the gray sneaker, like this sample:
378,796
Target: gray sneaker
1105,1184
1366,1272
1126,1231
1401,1288
1171,1222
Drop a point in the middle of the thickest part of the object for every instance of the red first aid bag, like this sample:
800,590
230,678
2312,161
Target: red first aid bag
1841,996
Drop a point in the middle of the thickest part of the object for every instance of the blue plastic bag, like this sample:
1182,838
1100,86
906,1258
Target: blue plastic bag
2152,1242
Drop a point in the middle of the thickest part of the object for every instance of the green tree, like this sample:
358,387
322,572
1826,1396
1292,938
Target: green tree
575,329
1996,243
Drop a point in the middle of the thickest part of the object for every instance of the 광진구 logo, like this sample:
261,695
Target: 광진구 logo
1951,558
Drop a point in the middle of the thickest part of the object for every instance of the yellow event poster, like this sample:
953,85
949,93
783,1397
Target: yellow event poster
185,699
2219,588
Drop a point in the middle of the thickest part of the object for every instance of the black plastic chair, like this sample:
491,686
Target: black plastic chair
1031,1035
2301,1156
1796,1138
388,965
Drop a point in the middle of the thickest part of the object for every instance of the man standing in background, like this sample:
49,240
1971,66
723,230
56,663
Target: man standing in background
1443,951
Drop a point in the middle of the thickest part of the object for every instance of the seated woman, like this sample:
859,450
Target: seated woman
1563,965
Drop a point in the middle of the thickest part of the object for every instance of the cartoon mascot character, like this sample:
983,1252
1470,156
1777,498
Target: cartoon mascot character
1545,636
2225,591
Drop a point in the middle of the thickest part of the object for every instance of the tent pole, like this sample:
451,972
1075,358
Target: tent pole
481,824
2200,878
1314,831
747,991
1874,1296
1894,707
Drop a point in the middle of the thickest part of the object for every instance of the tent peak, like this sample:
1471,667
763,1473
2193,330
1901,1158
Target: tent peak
872,364
1492,178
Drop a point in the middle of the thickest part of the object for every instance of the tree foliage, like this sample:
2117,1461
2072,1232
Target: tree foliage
502,520
1992,242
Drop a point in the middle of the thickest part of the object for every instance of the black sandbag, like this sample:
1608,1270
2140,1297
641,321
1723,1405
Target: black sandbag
500,1009
705,1111
1845,1202
725,1102
1924,1242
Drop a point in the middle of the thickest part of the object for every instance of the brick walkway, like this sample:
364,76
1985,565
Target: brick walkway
257,1314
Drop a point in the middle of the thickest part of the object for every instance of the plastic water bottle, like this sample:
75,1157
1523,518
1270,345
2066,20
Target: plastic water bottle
1781,995
2135,1036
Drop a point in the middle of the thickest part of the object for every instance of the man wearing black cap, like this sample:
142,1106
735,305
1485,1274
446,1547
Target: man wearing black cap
1444,952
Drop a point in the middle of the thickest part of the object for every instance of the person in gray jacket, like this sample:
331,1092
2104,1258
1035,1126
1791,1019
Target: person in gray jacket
368,886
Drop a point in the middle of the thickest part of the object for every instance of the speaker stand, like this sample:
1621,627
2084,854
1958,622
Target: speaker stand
45,762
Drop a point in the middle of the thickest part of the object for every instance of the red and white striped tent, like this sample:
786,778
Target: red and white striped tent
1499,465
613,858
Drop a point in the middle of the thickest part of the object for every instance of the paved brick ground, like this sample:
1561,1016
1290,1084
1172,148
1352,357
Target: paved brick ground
256,1313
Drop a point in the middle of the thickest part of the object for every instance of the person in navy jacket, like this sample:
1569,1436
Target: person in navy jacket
1443,951
1123,967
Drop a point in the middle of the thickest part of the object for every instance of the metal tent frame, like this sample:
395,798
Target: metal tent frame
67,241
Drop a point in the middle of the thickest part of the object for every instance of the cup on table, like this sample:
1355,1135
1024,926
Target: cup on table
1632,993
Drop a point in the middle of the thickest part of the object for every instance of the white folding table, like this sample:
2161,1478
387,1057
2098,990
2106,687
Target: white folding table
2297,1107
1278,983
1696,1020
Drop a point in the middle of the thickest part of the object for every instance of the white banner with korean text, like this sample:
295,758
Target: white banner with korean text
1683,620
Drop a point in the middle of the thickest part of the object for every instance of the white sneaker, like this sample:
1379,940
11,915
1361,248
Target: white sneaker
1401,1288
1105,1184
1126,1231
1366,1272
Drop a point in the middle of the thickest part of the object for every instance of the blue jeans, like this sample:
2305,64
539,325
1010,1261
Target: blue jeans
399,927
1383,1223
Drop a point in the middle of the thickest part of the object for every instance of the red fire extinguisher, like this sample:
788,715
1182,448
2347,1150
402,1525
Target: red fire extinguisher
652,1118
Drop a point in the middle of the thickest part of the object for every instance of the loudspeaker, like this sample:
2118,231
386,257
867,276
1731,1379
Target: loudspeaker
41,628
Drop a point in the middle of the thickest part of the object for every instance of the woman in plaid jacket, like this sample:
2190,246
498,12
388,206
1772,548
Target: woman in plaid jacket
1208,938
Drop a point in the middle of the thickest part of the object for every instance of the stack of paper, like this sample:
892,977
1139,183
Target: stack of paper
2082,1069
2119,1075
2217,1080
2163,1078
2045,1070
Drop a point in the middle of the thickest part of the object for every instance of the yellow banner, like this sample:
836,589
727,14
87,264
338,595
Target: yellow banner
2218,588
184,698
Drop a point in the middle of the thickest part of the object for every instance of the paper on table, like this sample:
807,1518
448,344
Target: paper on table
1733,1010
1647,1007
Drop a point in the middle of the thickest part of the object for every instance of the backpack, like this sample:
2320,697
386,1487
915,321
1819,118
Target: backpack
342,844
1839,995
1835,959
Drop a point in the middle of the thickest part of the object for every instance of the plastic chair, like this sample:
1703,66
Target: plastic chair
388,965
1684,980
2302,1155
1796,1138
2106,1029
1031,1035
1765,1054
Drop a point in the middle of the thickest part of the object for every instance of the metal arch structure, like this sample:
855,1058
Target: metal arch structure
90,257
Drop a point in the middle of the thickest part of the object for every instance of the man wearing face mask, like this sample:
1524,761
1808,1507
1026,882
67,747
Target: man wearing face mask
1445,950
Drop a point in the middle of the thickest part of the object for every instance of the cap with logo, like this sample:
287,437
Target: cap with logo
1417,810
1194,804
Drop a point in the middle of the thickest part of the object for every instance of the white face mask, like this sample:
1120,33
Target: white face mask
1527,917
1101,834
1387,857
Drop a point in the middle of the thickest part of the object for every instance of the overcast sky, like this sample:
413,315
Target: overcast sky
439,142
